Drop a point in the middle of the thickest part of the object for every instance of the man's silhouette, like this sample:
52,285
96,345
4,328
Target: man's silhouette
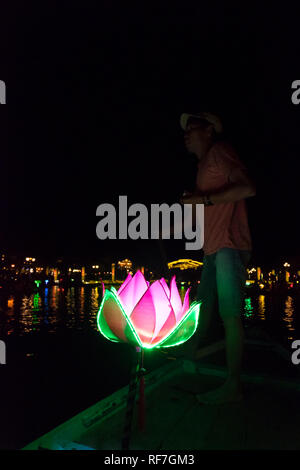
222,185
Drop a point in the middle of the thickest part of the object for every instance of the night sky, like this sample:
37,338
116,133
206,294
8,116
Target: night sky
94,96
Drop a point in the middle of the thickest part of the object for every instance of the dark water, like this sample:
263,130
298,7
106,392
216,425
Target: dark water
57,363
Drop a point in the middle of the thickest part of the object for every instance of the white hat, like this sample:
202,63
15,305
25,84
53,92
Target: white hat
212,118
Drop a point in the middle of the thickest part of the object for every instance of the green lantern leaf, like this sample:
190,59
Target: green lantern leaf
113,321
185,328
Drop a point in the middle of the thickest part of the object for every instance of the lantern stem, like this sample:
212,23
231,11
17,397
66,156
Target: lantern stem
142,393
131,398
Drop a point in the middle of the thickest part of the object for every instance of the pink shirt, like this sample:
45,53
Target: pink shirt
225,225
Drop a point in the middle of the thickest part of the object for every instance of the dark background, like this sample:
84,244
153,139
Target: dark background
94,95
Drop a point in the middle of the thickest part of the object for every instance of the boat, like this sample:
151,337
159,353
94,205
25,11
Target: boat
267,417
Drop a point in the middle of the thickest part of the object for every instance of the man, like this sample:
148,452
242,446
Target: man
222,185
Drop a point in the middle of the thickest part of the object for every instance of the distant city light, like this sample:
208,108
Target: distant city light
184,264
125,264
252,270
14,269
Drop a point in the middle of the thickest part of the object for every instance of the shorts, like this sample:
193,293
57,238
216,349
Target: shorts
223,282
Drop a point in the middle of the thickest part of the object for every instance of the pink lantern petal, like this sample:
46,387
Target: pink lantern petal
151,313
175,299
165,330
128,279
186,305
165,286
133,292
111,318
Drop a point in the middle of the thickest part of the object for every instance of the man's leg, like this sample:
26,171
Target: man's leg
230,277
234,341
207,295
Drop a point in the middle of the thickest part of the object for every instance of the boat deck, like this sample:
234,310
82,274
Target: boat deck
267,418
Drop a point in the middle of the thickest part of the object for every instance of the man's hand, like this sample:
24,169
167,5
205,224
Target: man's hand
184,198
190,198
240,187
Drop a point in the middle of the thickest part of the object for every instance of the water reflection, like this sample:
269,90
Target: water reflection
289,314
71,308
95,302
46,307
261,307
82,309
10,316
36,308
50,309
26,314
76,308
248,309
54,298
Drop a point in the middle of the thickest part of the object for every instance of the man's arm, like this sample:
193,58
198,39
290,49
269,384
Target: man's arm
240,187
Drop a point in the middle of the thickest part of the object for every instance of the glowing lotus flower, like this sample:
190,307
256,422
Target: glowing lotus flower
147,315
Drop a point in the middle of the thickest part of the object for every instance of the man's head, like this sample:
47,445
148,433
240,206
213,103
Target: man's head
200,131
